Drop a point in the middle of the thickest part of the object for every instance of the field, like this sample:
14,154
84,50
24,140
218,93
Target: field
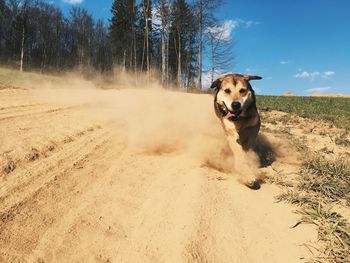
333,110
94,171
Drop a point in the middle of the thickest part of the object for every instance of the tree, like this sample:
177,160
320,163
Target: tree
120,30
23,24
163,12
36,34
221,48
102,55
181,31
46,26
205,16
82,29
147,17
182,43
2,26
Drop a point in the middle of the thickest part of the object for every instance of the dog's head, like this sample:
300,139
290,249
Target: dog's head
234,94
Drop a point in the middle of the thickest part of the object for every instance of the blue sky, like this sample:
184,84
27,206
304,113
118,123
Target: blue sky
301,46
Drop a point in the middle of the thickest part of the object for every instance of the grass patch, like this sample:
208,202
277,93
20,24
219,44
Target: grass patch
342,141
333,110
327,179
300,143
323,183
333,231
298,198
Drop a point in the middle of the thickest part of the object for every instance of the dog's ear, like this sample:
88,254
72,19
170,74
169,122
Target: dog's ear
250,77
216,84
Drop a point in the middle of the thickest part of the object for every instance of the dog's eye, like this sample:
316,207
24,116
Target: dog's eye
228,91
242,91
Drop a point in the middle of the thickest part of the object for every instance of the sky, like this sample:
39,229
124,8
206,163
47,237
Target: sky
299,46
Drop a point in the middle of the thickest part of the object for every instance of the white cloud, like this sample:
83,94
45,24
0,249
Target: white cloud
258,90
246,23
249,70
318,90
285,62
227,27
328,74
313,75
303,74
306,75
73,2
224,31
206,77
249,24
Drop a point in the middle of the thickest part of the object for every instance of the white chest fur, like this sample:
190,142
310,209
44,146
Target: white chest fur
230,128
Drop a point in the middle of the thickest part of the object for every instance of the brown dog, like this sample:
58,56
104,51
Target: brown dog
236,108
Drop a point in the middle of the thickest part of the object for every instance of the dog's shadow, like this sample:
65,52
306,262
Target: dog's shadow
265,151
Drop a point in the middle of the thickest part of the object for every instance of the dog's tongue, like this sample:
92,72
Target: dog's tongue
229,115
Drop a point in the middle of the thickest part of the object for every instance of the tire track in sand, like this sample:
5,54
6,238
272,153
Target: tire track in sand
47,200
25,182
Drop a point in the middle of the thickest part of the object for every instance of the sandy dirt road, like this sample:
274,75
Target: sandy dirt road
130,176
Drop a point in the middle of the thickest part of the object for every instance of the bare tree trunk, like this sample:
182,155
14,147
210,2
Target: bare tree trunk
124,61
164,11
131,55
163,57
135,57
167,60
134,41
22,48
145,10
143,53
147,51
179,62
200,47
43,60
212,60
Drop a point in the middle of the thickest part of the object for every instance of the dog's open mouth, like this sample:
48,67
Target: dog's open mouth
227,114
231,116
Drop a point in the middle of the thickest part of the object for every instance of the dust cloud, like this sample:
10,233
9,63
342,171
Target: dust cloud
153,120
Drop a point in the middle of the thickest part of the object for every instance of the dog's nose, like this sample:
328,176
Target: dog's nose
236,105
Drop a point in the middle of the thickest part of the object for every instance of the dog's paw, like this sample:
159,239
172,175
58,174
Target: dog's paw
252,184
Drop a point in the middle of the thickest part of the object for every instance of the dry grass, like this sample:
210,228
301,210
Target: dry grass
322,184
341,140
328,179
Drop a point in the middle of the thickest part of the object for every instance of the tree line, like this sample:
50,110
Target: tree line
166,38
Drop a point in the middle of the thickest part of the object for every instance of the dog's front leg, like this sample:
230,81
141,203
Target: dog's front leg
244,161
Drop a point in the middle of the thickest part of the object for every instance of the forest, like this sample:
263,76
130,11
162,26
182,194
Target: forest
177,41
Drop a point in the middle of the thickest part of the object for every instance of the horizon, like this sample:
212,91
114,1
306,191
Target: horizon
297,47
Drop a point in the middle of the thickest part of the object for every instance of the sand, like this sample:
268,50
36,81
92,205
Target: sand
130,175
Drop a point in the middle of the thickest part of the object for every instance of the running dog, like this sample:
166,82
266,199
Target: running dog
235,106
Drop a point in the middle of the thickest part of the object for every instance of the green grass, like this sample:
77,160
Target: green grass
333,110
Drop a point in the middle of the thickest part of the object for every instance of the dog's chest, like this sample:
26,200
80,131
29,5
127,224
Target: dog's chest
230,128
